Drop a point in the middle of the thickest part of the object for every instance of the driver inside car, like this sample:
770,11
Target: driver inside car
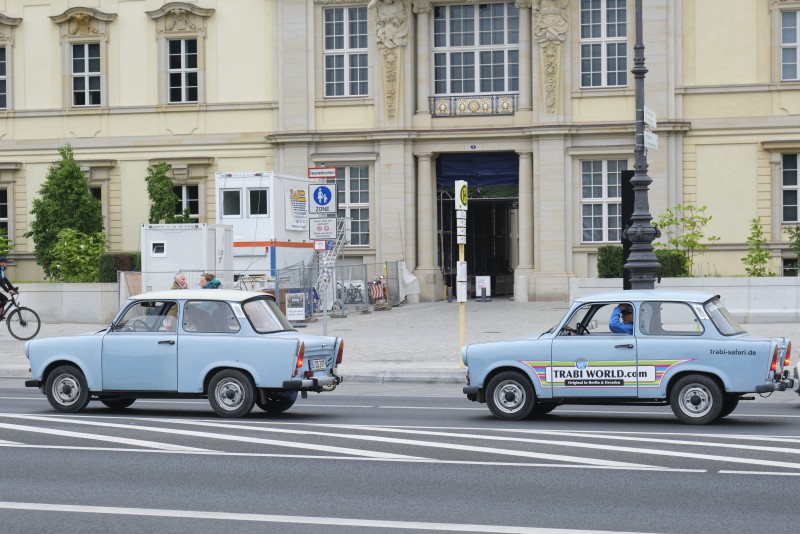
621,320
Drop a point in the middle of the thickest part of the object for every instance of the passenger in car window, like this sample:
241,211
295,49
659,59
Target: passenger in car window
621,320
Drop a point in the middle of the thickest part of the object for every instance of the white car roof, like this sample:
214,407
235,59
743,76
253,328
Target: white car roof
648,294
230,295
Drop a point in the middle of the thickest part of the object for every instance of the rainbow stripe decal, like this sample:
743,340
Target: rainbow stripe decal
621,373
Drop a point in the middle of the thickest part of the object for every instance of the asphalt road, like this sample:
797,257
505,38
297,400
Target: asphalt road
394,458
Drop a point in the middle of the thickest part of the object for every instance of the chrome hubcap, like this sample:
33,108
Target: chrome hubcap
229,394
509,396
696,400
66,389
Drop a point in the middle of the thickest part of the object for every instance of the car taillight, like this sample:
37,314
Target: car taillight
774,360
300,354
788,356
340,353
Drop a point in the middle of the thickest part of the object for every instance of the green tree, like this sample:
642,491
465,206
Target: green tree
77,256
794,242
757,256
683,228
163,200
6,245
64,201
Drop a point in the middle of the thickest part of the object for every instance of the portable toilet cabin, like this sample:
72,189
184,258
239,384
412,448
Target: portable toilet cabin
269,217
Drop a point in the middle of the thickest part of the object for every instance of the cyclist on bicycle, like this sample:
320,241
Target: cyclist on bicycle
6,285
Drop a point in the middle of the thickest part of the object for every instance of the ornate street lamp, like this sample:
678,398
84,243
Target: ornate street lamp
642,262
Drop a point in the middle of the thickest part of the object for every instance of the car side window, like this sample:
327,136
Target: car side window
589,319
148,316
669,319
209,316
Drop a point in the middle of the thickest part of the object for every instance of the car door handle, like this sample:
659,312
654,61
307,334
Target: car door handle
172,342
625,346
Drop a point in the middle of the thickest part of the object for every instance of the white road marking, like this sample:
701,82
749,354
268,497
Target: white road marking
272,518
243,439
605,447
418,443
99,437
773,473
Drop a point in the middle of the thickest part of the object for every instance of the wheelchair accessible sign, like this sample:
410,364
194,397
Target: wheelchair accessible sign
321,199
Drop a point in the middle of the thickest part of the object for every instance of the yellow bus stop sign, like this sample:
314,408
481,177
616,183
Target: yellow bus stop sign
461,195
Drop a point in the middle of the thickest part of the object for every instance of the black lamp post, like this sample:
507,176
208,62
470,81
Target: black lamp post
642,262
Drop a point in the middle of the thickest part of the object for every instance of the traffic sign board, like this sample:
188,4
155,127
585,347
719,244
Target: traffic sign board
322,228
322,172
461,195
650,140
322,199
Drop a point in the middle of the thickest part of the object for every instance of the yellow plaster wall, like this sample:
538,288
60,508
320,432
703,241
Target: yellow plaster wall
602,109
345,117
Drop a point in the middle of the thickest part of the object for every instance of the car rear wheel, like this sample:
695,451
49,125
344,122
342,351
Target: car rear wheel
278,402
118,404
231,393
66,389
541,408
696,400
510,396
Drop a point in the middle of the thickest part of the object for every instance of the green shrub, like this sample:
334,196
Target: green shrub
76,255
609,261
111,262
673,264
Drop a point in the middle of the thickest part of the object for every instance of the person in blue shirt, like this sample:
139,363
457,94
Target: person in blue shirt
6,285
621,321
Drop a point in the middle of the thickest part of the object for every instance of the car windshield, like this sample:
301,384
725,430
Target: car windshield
265,316
721,318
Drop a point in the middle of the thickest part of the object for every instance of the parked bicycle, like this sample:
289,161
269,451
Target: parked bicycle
23,323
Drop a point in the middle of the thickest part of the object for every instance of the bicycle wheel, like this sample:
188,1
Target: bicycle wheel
23,323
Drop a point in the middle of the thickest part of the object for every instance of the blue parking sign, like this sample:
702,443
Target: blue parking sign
322,199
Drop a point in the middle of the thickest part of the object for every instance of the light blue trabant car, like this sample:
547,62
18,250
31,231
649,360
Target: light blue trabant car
678,348
234,347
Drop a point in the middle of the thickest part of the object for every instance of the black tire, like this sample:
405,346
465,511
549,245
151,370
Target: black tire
23,323
231,393
510,396
696,400
118,404
728,405
542,408
279,402
66,389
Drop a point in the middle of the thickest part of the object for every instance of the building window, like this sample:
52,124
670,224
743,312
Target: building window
86,74
3,79
4,212
603,42
352,201
257,202
476,49
790,45
601,200
789,185
790,267
188,199
345,53
231,203
182,74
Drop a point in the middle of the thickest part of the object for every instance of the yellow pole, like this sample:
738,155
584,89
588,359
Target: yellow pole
461,311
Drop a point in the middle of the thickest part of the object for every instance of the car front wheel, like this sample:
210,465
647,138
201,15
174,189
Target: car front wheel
118,404
66,389
696,400
231,393
510,396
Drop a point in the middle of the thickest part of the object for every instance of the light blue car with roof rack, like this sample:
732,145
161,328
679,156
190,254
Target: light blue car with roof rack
684,349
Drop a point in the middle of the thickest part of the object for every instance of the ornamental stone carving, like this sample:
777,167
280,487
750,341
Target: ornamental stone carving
7,25
391,22
83,22
422,6
551,20
180,17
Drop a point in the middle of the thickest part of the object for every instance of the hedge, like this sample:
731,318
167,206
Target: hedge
609,262
111,262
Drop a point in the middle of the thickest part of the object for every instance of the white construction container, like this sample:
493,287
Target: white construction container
193,247
268,212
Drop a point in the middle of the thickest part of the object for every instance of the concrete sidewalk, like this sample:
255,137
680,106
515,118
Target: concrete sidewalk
412,343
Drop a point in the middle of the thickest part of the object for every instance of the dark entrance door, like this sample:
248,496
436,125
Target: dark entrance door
491,217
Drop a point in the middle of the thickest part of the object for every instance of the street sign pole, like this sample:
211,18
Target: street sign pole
461,197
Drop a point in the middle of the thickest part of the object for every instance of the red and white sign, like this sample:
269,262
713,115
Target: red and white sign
322,173
322,228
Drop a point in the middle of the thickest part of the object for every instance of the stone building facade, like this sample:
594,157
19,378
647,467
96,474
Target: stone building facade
530,101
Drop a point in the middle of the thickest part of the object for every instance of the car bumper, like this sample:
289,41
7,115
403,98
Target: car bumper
33,383
781,385
312,384
473,393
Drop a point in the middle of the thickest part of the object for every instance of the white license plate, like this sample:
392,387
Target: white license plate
317,365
